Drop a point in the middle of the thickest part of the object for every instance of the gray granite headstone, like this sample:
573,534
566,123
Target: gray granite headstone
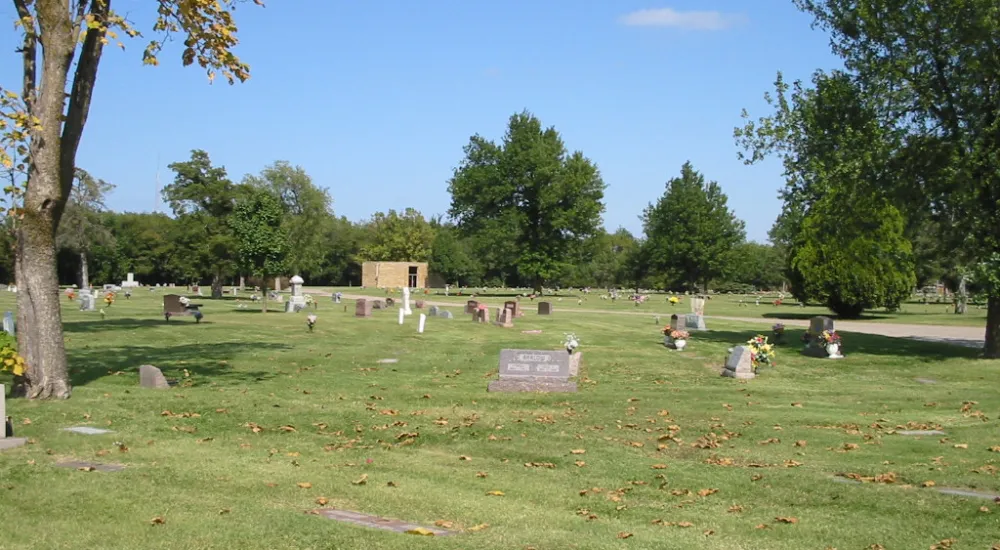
432,311
819,324
87,301
152,377
675,323
534,371
544,308
444,313
739,364
694,321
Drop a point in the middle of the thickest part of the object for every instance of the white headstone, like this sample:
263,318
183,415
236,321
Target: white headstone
406,301
401,315
420,325
297,301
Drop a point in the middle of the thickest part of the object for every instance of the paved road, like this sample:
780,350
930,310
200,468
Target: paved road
962,336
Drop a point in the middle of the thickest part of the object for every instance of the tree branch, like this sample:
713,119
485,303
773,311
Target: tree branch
28,53
82,92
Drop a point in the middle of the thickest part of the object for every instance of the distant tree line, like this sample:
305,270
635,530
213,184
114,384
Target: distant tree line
525,212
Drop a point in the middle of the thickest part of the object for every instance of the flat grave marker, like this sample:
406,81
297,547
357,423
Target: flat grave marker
87,430
376,522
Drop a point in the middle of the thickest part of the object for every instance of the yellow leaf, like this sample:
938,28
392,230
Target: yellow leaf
361,480
420,531
928,483
577,451
787,520
322,501
479,527
304,485
961,445
659,466
494,494
580,463
624,535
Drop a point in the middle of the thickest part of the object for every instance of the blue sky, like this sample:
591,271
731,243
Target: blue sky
376,99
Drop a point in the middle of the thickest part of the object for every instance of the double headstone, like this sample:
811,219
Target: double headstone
534,371
471,306
544,308
696,319
739,364
362,308
481,315
87,301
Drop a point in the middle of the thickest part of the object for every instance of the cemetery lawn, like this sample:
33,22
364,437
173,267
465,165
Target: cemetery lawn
656,450
721,305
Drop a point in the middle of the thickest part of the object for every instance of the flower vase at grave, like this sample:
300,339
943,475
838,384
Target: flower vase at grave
679,344
833,350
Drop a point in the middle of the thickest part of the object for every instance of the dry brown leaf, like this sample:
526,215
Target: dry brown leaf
479,527
961,445
287,428
481,474
158,520
796,404
735,509
761,526
685,524
943,544
444,524
86,468
800,443
577,451
225,511
786,520
995,449
659,466
984,509
708,532
304,485
624,535
580,463
361,480
756,477
707,492
928,483
850,446
322,501
102,452
464,457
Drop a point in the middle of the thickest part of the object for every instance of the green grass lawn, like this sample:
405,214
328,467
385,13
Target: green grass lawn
724,305
737,455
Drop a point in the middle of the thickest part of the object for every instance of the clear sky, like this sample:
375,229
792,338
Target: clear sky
376,99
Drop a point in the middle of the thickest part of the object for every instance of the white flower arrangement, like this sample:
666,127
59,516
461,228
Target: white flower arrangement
571,342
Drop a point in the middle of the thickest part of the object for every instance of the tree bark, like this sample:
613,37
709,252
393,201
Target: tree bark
84,274
243,282
217,285
992,349
264,299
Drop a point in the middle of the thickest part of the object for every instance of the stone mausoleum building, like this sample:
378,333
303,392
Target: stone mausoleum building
394,274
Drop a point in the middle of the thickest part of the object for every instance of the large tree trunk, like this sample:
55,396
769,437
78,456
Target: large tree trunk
264,302
84,275
53,151
217,285
992,350
243,282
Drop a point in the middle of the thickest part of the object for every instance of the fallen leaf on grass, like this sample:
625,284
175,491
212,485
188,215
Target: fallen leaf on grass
102,452
995,449
984,509
624,535
577,451
580,463
158,520
481,474
735,509
659,466
761,526
420,531
928,483
494,493
850,446
479,527
770,440
288,428
361,480
271,484
464,457
86,468
322,501
943,544
707,492
304,485
786,520
26,421
961,446
444,523
391,484
685,524
800,443
796,404
792,464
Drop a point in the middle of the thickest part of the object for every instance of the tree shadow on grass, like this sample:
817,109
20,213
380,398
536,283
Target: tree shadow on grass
123,323
807,316
853,342
206,362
